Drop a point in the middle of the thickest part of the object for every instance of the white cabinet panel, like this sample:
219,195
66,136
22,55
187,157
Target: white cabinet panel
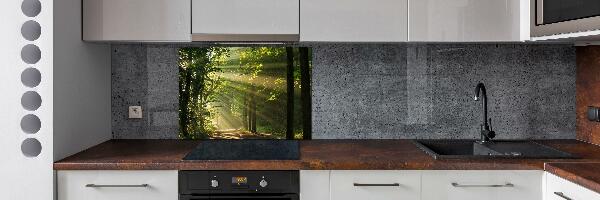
136,20
343,185
245,17
314,185
478,185
561,189
162,185
353,20
469,20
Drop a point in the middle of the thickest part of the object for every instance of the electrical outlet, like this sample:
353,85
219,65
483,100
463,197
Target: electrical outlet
135,112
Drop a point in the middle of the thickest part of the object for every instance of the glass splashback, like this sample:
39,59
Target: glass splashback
244,92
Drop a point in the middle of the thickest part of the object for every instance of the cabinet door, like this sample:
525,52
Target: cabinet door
375,185
478,185
245,20
314,185
136,20
353,20
561,189
469,20
117,185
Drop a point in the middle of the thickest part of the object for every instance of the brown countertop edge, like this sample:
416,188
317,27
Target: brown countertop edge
314,155
331,155
584,174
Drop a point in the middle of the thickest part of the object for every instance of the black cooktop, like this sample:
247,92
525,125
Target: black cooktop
245,150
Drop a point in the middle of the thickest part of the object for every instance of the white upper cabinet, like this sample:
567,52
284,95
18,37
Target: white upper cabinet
468,20
353,20
245,20
136,20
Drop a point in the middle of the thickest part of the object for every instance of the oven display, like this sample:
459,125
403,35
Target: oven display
239,180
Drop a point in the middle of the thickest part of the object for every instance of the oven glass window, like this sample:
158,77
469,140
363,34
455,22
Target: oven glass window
553,11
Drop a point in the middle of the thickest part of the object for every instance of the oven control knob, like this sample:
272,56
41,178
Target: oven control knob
214,183
263,183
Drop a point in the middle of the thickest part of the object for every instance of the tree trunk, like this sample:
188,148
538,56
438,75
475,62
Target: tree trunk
253,109
289,131
305,93
184,99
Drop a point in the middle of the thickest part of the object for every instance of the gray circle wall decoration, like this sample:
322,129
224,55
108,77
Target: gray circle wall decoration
31,77
31,100
31,8
31,147
31,54
31,30
31,124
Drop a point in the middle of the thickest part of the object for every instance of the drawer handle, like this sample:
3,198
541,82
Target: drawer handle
504,185
376,184
116,186
562,195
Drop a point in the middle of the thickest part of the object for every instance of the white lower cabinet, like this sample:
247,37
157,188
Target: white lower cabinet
314,184
117,185
482,185
375,185
560,189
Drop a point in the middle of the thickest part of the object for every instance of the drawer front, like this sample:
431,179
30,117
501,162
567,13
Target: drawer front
375,185
117,185
478,185
560,189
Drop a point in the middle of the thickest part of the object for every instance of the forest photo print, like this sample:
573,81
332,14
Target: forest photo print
244,92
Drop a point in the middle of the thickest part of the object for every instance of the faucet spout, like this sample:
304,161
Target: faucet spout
480,94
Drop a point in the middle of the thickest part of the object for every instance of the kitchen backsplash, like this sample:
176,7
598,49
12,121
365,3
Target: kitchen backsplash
383,91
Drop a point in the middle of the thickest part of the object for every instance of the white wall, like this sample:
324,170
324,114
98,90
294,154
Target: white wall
82,109
21,177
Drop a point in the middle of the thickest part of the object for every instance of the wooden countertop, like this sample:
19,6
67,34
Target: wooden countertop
584,174
314,155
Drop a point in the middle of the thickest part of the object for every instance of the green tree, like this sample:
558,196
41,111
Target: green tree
198,86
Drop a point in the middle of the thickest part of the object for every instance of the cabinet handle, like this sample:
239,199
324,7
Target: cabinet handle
376,184
498,185
562,195
115,186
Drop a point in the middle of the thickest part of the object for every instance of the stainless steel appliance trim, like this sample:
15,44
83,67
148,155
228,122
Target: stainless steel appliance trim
566,27
492,185
115,186
562,195
539,12
376,184
203,197
245,37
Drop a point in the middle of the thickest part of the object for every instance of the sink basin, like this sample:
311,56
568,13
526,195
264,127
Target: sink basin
470,149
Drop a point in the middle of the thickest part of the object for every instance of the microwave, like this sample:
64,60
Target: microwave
553,17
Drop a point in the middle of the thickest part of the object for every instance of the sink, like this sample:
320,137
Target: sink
470,149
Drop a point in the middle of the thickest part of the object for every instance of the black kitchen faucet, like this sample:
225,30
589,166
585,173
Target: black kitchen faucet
487,134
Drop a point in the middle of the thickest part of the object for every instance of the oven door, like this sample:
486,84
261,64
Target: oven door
551,17
240,197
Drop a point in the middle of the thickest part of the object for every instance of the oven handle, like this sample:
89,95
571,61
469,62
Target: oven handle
241,196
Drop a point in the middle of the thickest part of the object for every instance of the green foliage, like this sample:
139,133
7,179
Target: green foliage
224,91
252,62
198,86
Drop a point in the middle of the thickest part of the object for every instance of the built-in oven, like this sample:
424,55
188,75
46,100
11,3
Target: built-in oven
238,185
552,17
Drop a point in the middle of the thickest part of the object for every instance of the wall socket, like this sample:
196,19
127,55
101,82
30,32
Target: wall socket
135,112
